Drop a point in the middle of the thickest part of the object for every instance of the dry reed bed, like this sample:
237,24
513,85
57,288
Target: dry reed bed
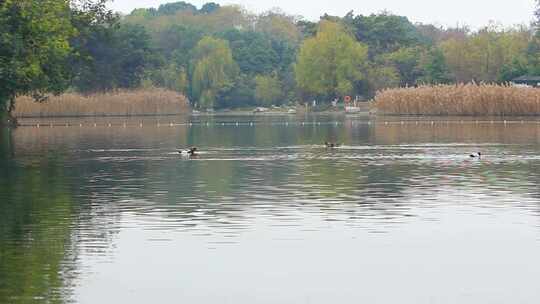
120,103
463,99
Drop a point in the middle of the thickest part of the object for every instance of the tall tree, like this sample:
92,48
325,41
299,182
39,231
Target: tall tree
434,68
406,61
533,49
331,63
38,45
209,8
382,77
279,25
537,12
173,8
213,71
116,57
386,32
34,44
268,90
484,55
252,51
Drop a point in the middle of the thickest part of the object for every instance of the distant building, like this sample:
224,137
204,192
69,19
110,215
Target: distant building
528,81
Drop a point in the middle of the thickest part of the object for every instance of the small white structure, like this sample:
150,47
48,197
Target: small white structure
527,81
352,109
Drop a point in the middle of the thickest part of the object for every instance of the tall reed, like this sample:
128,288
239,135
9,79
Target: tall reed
138,102
462,99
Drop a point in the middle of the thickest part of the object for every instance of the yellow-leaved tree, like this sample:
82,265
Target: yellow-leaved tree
213,71
330,63
482,56
268,89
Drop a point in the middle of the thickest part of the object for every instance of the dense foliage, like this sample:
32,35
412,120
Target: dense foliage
331,63
213,71
224,56
34,48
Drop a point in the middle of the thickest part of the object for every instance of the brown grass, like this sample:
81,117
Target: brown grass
139,102
464,99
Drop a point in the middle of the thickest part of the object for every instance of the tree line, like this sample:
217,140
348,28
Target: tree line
225,56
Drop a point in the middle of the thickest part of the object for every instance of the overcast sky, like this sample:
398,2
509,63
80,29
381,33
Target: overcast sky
474,13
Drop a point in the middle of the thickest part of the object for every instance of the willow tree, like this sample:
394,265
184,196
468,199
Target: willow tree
213,71
330,63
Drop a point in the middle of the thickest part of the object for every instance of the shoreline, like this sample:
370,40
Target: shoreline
205,114
229,116
279,113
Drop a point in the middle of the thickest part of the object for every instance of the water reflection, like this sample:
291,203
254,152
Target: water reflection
37,259
73,199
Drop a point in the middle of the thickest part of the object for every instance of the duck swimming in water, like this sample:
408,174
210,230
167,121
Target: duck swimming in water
477,155
331,145
190,152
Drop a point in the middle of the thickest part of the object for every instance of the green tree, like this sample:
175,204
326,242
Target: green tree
533,56
252,51
39,45
34,46
241,93
176,42
385,32
537,13
268,89
308,29
172,77
116,57
279,25
434,68
482,55
331,63
382,77
144,12
209,8
406,61
213,71
513,70
533,49
173,8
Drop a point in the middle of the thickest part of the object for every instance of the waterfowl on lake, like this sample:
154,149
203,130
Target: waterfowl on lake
331,145
190,152
477,155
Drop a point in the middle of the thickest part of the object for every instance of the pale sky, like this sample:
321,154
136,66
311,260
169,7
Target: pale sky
474,13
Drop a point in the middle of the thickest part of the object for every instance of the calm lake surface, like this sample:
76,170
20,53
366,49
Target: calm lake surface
92,213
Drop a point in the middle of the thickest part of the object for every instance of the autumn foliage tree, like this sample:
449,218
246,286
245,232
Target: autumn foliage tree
213,71
483,55
268,89
331,63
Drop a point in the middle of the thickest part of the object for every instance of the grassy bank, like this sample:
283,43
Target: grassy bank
466,99
120,103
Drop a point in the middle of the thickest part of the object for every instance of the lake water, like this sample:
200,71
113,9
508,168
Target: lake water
99,213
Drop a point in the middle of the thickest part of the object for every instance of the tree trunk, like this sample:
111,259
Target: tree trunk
7,119
3,118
